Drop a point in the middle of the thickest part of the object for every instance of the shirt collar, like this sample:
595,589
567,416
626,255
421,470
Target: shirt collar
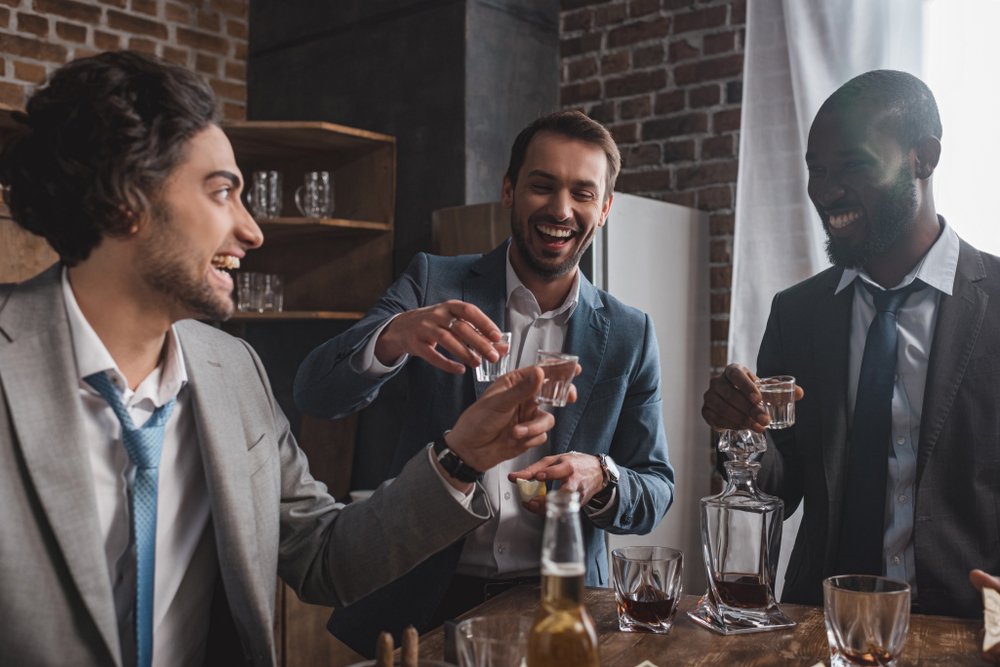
162,385
937,268
516,289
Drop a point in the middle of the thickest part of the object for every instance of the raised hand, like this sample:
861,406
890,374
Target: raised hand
733,401
575,471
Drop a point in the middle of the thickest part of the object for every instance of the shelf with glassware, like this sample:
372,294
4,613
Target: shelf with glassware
334,260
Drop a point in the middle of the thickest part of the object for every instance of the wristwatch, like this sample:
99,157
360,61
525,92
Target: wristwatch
453,464
610,470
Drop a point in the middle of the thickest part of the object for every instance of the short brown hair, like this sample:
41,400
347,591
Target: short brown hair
572,124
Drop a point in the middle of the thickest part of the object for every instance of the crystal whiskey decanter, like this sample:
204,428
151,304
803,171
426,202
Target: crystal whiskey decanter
741,535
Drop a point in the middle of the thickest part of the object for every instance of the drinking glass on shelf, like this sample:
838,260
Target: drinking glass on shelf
264,195
314,198
867,618
272,293
559,370
778,397
647,582
488,371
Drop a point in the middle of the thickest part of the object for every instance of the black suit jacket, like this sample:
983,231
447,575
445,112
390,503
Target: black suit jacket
957,497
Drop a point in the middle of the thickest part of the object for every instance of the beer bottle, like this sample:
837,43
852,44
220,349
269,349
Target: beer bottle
563,633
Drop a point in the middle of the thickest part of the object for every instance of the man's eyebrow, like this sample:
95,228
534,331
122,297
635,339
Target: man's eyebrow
228,175
587,183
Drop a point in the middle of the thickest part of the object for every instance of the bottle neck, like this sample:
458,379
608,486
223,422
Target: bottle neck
562,551
742,476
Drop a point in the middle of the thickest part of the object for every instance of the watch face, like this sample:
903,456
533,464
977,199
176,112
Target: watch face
609,464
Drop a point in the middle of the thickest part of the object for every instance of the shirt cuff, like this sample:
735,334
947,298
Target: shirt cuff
462,498
608,506
364,361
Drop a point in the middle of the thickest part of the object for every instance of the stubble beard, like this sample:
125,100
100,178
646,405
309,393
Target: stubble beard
163,269
893,217
536,265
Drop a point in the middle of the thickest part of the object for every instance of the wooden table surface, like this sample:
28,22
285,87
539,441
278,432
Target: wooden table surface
933,640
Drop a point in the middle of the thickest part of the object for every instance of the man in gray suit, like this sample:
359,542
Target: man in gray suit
438,320
932,484
124,545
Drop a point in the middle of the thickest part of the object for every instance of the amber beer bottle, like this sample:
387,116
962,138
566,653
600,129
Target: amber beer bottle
563,633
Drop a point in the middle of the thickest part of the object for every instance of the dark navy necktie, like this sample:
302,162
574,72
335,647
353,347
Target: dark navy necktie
144,446
863,519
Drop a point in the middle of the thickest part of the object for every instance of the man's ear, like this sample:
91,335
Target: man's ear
507,193
605,209
927,153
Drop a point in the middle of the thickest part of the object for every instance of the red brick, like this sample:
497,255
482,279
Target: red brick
106,41
715,198
672,126
148,7
707,174
78,11
28,47
231,8
71,32
720,356
706,70
120,4
615,62
210,21
229,90
603,113
237,29
642,156
635,107
720,42
720,277
11,3
716,147
4,17
669,102
233,111
206,64
582,69
239,50
236,71
699,19
178,13
721,224
578,20
635,83
201,41
82,52
720,302
624,134
568,5
639,31
32,23
644,181
719,329
680,198
726,121
30,72
734,92
574,46
720,251
609,14
142,45
705,96
683,49
136,25
587,91
178,56
638,8
671,5
678,151
12,94
648,56
738,12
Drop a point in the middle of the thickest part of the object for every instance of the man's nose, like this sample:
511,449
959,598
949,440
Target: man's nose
827,192
560,205
248,232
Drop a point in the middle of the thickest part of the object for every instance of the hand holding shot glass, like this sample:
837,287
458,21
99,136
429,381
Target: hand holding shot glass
778,398
559,370
488,371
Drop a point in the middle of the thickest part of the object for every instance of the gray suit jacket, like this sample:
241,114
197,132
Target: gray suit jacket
268,514
957,503
618,410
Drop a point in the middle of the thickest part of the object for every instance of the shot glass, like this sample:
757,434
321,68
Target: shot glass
272,292
866,618
778,397
244,291
559,370
647,583
488,371
493,641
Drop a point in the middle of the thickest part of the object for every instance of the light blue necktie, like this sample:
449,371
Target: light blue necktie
863,520
144,446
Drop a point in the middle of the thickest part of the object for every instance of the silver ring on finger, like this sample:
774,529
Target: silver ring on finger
452,323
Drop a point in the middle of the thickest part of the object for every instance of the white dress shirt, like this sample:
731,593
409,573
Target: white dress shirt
915,324
186,564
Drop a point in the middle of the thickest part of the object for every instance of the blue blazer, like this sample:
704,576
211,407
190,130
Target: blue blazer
618,409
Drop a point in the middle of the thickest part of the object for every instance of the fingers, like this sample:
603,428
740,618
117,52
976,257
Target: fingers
981,580
733,401
514,388
472,329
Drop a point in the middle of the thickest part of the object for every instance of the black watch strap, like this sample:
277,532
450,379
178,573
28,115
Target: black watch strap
453,465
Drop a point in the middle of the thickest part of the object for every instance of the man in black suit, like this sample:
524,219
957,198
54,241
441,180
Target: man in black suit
925,506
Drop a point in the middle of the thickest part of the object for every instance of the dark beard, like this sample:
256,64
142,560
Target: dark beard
163,270
891,220
539,268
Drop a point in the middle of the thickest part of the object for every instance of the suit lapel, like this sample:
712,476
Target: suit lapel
959,321
221,435
586,337
486,287
38,373
831,344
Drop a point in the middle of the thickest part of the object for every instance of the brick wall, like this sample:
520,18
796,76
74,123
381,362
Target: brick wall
666,77
207,36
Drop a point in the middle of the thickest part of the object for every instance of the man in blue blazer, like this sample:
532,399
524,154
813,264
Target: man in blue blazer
440,318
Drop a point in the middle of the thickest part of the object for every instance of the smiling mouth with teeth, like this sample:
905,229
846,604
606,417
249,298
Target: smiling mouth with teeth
555,232
843,219
227,262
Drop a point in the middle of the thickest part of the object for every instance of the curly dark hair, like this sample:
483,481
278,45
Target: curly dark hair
572,124
906,105
97,143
